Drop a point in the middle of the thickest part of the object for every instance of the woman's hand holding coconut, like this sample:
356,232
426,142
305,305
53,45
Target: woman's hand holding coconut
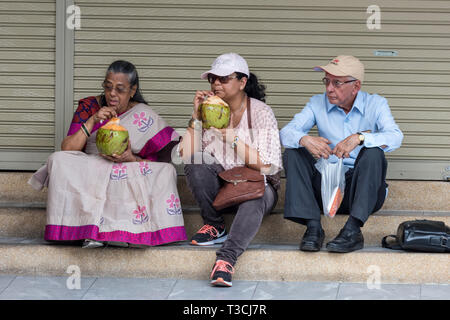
126,156
200,96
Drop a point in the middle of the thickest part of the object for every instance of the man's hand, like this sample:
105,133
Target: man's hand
317,146
343,148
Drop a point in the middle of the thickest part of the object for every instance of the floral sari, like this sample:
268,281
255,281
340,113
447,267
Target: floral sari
90,197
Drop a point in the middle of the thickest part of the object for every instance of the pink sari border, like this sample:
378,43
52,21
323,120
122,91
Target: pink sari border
67,233
157,142
74,127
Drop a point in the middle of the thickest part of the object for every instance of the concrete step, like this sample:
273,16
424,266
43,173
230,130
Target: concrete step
22,211
273,254
425,196
261,261
30,222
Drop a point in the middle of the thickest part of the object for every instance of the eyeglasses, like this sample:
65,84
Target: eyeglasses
212,78
119,89
336,83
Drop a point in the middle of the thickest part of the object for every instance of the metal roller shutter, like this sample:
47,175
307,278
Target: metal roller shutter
27,83
172,42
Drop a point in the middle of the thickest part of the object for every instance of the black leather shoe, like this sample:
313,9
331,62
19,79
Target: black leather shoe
346,241
312,239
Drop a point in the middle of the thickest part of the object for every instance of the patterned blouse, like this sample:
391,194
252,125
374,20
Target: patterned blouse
266,139
159,148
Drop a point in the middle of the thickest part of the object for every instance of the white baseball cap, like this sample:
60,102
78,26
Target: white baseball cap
226,64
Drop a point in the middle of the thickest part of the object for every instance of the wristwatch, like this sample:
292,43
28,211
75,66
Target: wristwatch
361,138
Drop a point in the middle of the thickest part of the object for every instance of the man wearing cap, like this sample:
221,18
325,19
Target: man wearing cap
353,125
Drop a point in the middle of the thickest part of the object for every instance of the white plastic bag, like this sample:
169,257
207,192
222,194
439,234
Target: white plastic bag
333,183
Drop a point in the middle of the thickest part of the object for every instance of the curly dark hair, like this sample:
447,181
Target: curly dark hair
253,88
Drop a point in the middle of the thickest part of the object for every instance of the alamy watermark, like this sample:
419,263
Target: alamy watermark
73,21
374,20
74,281
374,279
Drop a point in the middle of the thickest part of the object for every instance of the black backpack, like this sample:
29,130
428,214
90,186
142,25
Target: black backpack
420,235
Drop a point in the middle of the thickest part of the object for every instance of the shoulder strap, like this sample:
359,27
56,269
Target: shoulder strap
249,118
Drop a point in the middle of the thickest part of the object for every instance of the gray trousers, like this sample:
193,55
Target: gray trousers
204,183
364,193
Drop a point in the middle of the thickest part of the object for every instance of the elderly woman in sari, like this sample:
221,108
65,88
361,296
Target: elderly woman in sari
123,199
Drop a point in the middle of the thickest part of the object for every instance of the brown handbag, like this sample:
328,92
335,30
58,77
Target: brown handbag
240,183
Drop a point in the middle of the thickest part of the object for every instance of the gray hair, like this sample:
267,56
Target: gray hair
127,68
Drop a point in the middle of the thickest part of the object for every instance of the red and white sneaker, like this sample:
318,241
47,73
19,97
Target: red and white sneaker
221,274
209,235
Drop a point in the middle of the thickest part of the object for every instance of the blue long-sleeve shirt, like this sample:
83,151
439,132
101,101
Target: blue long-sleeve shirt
369,112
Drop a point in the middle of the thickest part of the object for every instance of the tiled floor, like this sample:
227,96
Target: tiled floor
57,288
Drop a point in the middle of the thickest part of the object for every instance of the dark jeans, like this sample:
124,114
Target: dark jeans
365,188
204,183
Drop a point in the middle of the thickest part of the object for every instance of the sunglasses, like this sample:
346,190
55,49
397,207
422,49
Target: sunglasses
119,89
212,78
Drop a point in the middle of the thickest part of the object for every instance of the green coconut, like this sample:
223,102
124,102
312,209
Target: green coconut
215,113
112,138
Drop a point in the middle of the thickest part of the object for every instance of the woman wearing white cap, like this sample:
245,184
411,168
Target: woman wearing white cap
224,149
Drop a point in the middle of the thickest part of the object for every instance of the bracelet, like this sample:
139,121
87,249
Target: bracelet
178,151
85,130
234,143
195,124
